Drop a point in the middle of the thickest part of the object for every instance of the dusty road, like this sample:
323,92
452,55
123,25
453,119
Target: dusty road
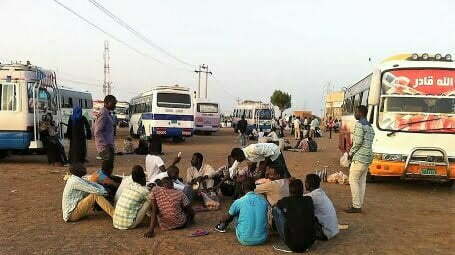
398,218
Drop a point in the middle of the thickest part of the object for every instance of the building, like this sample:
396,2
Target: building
334,104
303,114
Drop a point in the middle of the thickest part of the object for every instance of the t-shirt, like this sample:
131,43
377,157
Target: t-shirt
251,213
152,166
193,173
178,185
296,123
324,212
170,204
299,225
274,190
131,200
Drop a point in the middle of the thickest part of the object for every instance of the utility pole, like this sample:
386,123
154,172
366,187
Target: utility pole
203,69
107,70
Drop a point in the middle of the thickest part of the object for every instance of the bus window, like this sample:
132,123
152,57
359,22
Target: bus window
365,97
8,97
356,100
70,102
86,105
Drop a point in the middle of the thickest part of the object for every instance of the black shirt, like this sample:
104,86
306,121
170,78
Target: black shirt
299,227
242,125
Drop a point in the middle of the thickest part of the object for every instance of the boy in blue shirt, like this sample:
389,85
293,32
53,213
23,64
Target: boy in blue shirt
250,212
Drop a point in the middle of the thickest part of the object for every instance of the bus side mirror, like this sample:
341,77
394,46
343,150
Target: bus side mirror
375,88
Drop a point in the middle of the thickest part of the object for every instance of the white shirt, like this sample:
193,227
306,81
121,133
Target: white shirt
178,185
305,122
193,173
256,153
314,123
325,212
152,166
273,135
297,123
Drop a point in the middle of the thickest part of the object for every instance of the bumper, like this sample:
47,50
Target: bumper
173,132
206,128
15,140
396,168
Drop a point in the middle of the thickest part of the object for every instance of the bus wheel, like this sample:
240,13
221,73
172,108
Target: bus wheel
3,154
370,178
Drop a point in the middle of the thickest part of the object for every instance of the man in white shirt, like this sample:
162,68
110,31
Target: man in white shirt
272,135
323,209
297,128
200,173
313,125
259,152
154,165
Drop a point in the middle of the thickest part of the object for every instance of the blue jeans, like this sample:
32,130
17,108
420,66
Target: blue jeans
280,221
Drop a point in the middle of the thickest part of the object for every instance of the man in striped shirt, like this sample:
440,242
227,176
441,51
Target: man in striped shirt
361,155
133,203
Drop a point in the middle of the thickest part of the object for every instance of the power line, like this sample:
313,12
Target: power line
136,33
106,33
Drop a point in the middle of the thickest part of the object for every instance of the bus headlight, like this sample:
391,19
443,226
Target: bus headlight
425,56
414,56
438,57
448,57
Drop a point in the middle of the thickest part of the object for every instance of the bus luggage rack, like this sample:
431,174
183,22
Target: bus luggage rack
430,161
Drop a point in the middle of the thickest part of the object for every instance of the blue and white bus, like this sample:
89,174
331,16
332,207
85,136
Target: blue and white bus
26,94
165,111
259,115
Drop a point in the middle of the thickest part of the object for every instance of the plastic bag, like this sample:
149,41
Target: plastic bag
338,177
344,160
210,200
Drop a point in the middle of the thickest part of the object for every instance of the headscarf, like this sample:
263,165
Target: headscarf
77,114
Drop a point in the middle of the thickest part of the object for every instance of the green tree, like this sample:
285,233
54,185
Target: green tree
281,99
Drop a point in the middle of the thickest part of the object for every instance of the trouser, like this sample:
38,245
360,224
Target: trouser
188,191
280,165
357,181
297,133
141,214
108,154
330,133
312,132
85,207
279,220
243,139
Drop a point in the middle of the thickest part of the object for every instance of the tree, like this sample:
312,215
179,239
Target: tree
281,99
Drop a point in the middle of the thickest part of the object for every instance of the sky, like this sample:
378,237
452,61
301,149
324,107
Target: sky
252,47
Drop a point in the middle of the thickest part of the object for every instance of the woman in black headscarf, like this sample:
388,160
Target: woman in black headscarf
78,132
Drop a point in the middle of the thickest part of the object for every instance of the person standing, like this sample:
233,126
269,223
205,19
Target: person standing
305,123
78,132
297,124
242,128
104,130
361,155
330,126
313,126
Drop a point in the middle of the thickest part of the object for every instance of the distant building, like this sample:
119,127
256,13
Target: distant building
303,114
334,104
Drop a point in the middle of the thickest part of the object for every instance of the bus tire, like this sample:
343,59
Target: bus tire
3,154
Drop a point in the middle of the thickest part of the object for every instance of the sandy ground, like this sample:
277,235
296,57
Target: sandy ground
399,217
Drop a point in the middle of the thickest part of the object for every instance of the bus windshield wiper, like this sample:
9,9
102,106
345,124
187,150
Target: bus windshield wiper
408,124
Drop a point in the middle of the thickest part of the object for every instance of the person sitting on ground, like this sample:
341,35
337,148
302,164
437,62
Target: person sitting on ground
272,135
275,188
80,195
128,145
312,145
260,152
294,219
170,207
327,226
154,165
104,177
173,173
223,181
200,174
133,203
251,213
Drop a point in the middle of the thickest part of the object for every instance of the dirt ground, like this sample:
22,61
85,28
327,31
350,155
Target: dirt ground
399,217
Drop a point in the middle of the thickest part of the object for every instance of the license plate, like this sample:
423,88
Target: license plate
428,171
173,121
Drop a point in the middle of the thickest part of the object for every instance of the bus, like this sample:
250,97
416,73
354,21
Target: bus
27,93
122,113
411,106
71,98
206,116
164,111
259,115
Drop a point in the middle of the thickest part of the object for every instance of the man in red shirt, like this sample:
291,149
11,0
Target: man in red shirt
170,207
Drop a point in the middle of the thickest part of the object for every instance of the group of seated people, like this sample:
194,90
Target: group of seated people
304,144
265,199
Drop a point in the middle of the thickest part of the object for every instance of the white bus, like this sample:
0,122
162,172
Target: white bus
26,94
122,113
71,98
411,101
165,111
258,115
206,116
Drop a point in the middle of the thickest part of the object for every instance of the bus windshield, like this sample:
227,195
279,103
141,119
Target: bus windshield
121,110
264,114
173,100
418,100
207,108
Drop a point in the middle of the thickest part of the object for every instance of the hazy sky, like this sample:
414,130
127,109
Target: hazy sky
252,46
